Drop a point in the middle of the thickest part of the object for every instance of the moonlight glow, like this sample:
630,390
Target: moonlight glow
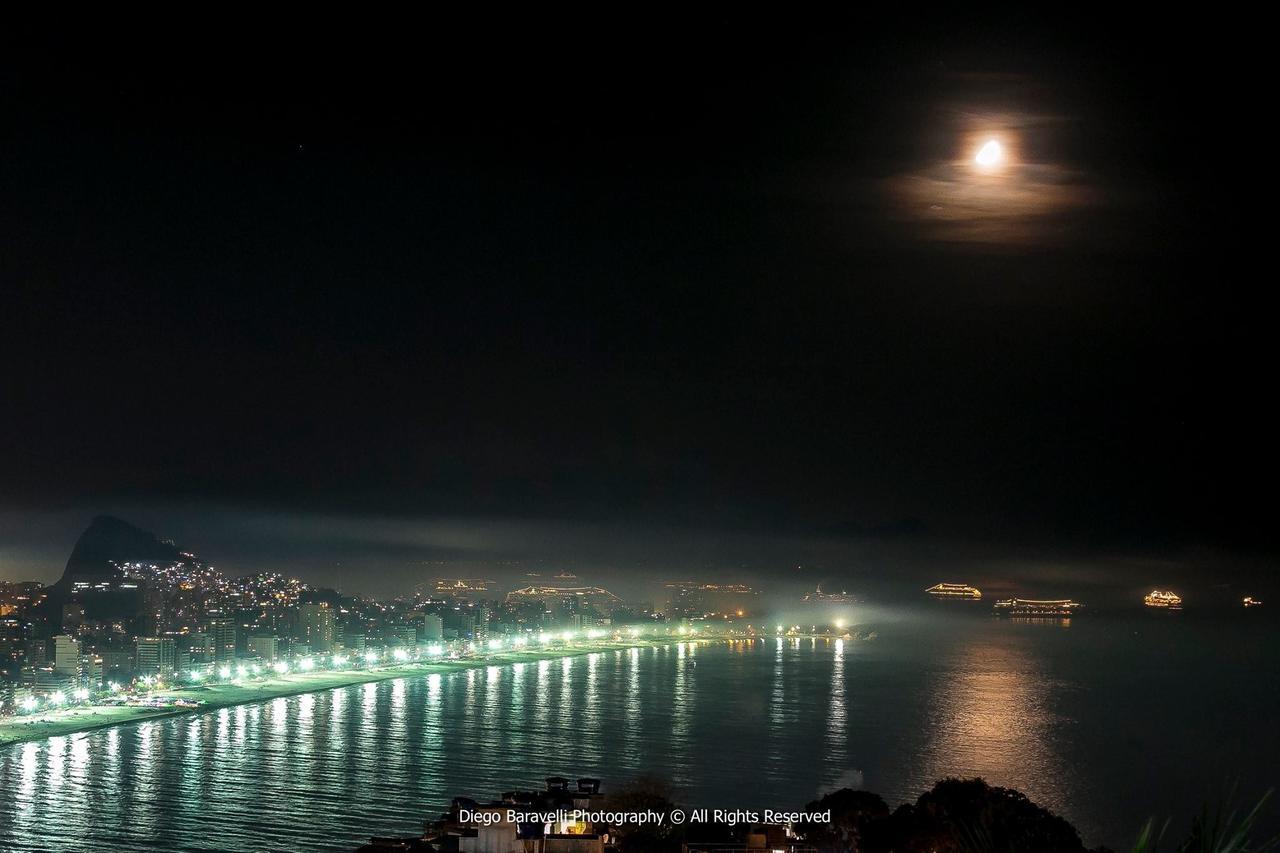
990,155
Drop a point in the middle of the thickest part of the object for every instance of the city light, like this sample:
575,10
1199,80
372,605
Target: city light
489,364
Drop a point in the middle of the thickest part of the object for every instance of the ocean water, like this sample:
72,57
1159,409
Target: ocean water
1107,720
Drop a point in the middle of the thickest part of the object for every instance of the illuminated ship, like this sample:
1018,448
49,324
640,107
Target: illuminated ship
1250,601
820,597
1028,608
1163,598
954,590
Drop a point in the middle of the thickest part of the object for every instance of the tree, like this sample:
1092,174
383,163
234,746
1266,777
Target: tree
967,816
851,813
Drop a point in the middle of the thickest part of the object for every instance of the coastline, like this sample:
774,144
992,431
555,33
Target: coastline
15,730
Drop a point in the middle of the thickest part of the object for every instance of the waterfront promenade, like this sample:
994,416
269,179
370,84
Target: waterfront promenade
80,718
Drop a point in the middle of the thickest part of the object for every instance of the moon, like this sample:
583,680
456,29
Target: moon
990,155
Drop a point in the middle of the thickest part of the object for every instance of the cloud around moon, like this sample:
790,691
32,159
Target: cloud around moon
1029,204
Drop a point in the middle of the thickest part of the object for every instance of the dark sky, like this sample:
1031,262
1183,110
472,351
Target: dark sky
641,276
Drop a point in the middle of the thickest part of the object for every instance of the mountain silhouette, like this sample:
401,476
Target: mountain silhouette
108,541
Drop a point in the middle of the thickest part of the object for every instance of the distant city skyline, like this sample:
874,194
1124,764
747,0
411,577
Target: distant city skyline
389,557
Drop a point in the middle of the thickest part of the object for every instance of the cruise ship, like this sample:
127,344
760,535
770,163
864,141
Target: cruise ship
820,597
954,590
1250,601
1163,598
1030,608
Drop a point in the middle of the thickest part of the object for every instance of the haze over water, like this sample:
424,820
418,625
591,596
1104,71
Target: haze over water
1106,721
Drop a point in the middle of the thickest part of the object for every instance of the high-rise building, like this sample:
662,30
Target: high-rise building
198,645
404,637
467,622
91,672
316,626
117,665
66,655
267,648
15,635
156,656
222,635
432,627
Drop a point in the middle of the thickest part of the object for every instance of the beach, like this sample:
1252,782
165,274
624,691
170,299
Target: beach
81,718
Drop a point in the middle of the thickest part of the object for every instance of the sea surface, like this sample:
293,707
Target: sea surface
1107,720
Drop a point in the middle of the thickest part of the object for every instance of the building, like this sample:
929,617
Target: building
156,656
473,827
43,681
222,635
66,655
117,665
15,636
403,637
466,622
432,629
267,648
91,672
316,626
198,645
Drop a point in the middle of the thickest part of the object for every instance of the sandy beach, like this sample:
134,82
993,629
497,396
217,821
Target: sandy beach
81,718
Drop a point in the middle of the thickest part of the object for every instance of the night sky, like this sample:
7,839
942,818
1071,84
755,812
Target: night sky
660,295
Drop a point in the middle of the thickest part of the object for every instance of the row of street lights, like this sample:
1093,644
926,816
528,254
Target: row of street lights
241,672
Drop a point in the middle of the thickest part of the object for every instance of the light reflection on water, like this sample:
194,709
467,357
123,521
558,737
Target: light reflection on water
1028,706
991,717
